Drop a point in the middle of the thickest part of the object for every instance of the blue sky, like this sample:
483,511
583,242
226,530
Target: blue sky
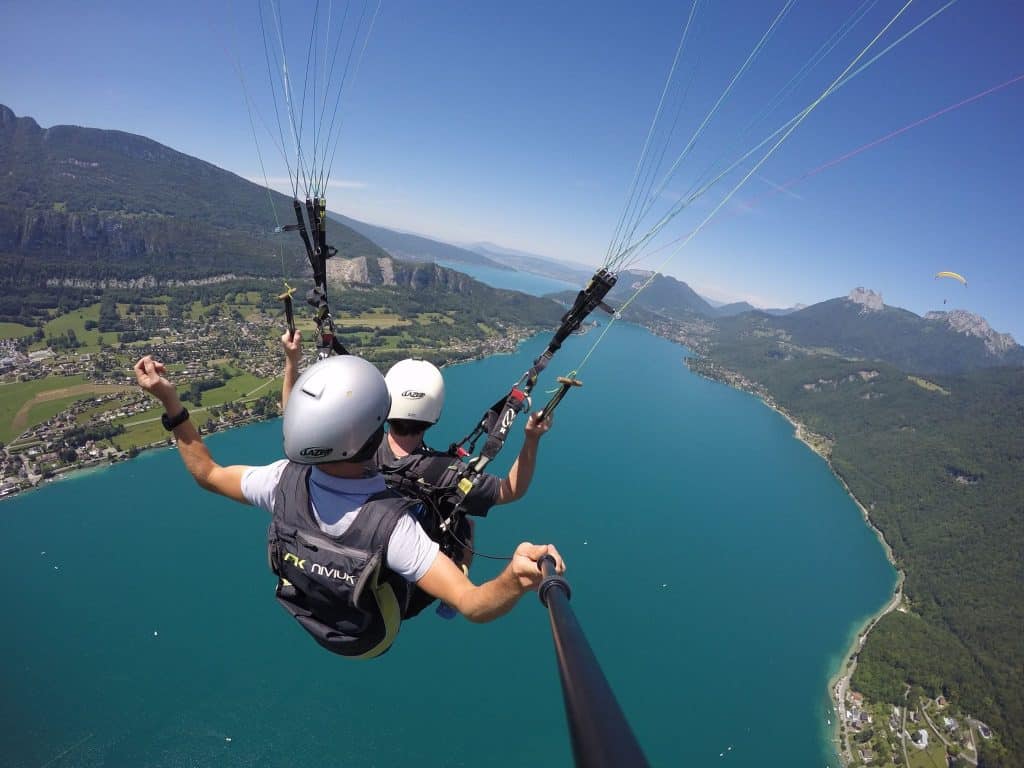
522,124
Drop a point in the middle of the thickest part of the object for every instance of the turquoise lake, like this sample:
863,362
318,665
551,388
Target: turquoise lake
718,569
514,280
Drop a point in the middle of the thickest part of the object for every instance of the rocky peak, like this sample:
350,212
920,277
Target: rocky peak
9,121
869,300
970,324
386,271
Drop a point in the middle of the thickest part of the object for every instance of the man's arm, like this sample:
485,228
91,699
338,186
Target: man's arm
494,598
517,483
292,357
226,481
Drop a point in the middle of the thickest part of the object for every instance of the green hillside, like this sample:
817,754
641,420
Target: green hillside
895,335
86,204
938,462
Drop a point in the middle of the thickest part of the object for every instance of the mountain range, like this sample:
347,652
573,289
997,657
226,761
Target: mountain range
533,263
857,326
83,205
88,203
665,296
861,326
82,209
409,247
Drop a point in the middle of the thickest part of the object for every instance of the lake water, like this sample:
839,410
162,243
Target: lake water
527,282
718,569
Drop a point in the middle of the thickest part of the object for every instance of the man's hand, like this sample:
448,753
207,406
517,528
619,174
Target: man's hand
535,426
446,581
292,346
516,483
525,564
149,375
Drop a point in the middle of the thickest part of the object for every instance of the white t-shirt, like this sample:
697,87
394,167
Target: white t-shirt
336,502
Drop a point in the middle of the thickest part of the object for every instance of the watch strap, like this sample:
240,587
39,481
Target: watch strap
170,423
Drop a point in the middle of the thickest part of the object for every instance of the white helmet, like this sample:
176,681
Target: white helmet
335,411
417,391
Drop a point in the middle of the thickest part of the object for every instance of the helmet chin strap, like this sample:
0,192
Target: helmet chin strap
369,447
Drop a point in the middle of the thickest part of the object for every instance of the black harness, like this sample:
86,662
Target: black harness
338,588
431,477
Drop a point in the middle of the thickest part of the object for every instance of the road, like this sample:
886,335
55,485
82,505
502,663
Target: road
903,737
846,754
939,733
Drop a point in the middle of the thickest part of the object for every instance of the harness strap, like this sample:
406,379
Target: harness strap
498,419
317,251
300,227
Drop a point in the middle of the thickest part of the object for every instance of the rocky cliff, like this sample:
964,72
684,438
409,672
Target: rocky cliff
970,324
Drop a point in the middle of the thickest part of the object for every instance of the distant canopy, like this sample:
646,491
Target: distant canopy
952,276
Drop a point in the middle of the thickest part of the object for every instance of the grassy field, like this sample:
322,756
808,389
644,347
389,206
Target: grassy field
925,384
141,429
237,388
153,308
246,302
197,311
14,396
373,319
14,330
47,409
932,757
428,318
75,321
144,429
46,405
247,298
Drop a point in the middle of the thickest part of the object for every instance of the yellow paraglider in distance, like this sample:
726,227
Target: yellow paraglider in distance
953,275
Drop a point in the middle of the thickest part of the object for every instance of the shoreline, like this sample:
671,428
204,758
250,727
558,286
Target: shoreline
839,681
509,344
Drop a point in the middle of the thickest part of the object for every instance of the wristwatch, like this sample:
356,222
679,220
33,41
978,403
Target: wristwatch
170,423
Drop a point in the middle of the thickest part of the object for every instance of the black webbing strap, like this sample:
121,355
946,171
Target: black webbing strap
587,300
315,239
300,227
498,419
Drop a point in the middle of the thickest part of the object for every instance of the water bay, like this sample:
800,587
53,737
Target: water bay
513,280
718,568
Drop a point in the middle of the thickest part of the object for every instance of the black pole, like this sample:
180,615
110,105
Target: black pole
599,731
565,384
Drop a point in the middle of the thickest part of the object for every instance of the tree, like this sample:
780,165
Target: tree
992,756
885,751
